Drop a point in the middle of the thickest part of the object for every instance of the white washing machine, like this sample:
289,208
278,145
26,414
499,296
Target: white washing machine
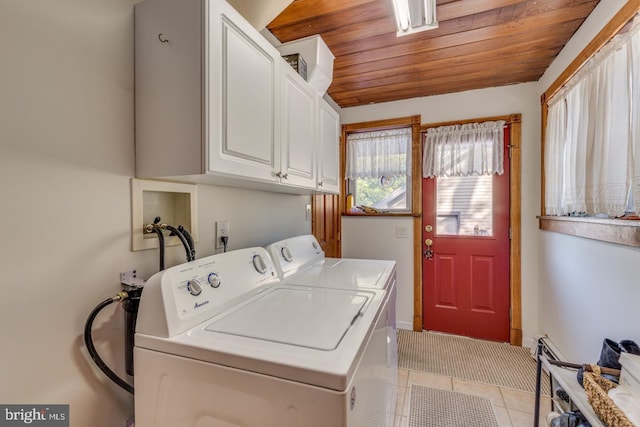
221,341
301,261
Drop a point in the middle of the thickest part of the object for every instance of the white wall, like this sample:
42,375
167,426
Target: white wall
523,99
66,160
259,12
588,289
377,238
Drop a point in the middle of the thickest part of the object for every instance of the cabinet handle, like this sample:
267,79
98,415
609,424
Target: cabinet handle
320,184
285,176
279,174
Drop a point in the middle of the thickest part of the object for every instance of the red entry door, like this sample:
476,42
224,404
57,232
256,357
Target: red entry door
465,283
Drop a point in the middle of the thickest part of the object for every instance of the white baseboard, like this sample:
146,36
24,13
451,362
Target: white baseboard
404,325
529,342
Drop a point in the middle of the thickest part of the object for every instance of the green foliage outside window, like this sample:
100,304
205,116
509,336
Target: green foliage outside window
369,191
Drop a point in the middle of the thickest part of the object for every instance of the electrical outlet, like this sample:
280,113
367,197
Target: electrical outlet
307,212
222,230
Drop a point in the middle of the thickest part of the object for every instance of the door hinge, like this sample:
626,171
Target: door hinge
510,147
510,233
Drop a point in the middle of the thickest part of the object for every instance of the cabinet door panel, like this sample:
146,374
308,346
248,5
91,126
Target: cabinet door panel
249,98
329,130
298,131
244,98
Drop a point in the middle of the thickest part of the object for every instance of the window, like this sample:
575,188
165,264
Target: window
380,158
378,165
464,158
468,200
555,209
592,137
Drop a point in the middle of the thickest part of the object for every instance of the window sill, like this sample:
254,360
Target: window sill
409,214
620,231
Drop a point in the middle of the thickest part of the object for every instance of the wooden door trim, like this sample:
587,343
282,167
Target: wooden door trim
515,285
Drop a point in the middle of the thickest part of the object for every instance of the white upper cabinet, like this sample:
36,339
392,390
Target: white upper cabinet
215,102
299,136
243,77
329,142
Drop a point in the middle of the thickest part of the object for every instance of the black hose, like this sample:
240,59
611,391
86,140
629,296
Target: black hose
174,231
160,245
190,241
88,340
130,306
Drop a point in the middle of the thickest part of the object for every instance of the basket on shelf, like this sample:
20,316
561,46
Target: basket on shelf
597,388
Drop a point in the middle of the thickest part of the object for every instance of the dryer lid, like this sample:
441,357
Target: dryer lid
340,272
316,318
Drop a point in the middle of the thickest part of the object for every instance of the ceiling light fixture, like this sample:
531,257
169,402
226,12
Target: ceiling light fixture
413,16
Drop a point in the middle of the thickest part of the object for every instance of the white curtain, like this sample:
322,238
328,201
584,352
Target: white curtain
380,153
633,50
554,160
464,150
592,134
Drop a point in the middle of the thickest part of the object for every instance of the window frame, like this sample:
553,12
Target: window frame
625,232
416,162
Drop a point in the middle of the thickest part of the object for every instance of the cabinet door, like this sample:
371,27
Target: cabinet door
298,165
243,73
329,161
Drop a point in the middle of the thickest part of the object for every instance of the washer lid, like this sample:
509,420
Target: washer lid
307,317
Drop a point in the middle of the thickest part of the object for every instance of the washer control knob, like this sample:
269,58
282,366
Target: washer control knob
286,254
214,280
259,264
194,287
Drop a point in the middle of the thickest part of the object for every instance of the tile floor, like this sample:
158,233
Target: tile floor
513,408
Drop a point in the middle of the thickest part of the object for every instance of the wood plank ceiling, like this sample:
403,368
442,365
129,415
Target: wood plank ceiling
478,44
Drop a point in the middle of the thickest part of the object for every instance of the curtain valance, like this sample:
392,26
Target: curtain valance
464,150
379,153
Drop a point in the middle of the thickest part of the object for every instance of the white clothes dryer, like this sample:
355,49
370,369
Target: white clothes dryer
302,257
221,341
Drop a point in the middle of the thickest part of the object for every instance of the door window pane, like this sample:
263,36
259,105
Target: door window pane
465,205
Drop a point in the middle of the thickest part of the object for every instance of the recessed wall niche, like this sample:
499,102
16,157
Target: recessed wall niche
174,203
